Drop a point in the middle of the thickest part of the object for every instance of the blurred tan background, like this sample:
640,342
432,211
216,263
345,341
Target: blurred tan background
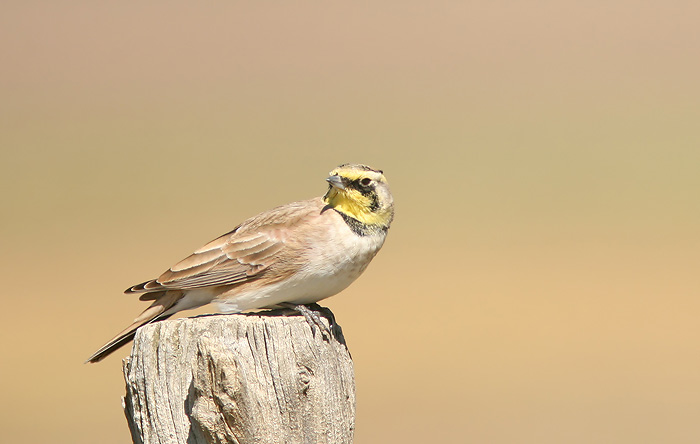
540,283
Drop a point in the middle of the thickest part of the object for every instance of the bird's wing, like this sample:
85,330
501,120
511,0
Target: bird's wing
235,257
230,259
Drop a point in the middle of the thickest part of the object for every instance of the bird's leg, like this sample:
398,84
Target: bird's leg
312,314
328,314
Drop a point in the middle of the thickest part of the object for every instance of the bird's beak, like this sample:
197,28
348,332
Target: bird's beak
336,181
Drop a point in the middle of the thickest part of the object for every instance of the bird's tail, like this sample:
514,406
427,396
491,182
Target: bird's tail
162,302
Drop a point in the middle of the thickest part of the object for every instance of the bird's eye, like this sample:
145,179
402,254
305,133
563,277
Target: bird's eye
366,181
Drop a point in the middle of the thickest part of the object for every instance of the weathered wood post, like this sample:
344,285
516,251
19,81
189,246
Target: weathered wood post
238,379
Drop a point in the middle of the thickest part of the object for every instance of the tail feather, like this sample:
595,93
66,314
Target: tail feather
156,312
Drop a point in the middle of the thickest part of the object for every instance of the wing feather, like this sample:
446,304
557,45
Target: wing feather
197,260
237,256
231,263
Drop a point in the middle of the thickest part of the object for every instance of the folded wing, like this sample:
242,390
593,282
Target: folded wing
230,259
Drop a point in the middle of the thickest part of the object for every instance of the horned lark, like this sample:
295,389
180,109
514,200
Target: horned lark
297,253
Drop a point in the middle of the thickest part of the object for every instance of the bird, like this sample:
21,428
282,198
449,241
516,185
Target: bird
293,255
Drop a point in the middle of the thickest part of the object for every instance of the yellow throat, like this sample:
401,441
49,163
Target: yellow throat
358,206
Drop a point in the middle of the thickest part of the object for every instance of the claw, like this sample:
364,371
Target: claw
312,314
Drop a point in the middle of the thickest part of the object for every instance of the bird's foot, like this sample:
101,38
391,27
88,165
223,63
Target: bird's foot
312,313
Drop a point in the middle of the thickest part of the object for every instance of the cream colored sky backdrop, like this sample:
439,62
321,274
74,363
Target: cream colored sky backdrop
540,284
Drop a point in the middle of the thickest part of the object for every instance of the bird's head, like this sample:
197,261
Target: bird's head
361,193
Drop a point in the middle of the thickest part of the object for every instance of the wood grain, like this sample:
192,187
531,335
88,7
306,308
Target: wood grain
245,378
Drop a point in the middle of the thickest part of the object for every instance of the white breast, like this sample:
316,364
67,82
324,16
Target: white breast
333,261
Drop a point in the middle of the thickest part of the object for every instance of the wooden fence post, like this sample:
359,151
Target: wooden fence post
245,378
